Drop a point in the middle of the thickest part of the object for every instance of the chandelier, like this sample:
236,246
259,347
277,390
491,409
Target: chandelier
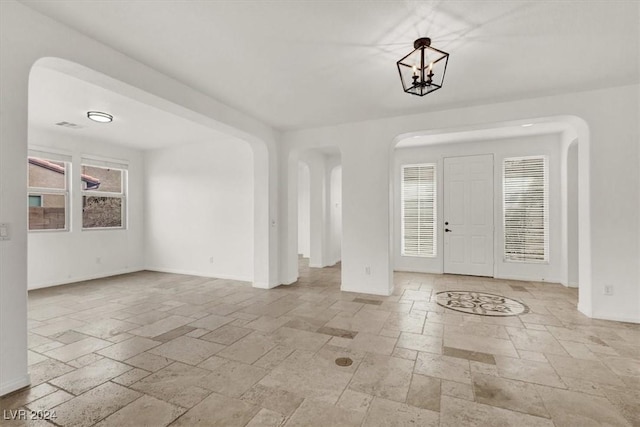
422,71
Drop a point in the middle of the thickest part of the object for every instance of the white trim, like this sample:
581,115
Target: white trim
615,318
14,385
104,162
84,278
49,153
201,274
530,279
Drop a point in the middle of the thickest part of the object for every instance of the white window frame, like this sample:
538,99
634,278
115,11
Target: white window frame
43,191
522,257
434,240
107,164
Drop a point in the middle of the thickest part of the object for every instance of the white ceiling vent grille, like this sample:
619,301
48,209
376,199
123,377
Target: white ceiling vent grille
69,125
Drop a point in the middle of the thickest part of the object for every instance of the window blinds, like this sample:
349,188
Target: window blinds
419,236
526,209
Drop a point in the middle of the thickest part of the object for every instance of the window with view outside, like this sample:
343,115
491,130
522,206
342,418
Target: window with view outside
102,197
526,209
419,220
47,194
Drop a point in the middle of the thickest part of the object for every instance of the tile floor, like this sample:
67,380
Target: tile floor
153,349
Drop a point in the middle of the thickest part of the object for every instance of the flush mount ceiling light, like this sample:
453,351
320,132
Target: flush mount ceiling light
100,117
422,71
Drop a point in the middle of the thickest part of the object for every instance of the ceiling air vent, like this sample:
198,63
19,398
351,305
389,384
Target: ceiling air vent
68,125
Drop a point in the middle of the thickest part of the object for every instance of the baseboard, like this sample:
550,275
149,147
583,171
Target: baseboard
574,284
16,384
199,274
584,310
529,279
409,270
83,278
615,318
362,290
289,281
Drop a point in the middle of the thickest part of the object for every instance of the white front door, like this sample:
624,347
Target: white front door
468,215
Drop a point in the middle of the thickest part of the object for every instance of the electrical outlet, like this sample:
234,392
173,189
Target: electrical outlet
608,289
211,260
98,260
367,270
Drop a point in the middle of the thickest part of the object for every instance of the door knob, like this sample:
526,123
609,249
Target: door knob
446,230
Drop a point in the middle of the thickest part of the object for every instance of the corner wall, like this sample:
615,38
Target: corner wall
199,210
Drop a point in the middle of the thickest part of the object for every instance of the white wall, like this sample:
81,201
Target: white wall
606,122
199,209
548,145
304,220
336,215
119,250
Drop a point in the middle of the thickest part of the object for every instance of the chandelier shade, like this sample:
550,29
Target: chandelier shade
422,71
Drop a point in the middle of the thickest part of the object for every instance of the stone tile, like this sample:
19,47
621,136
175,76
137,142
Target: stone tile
355,401
213,363
481,344
95,404
249,349
174,333
404,353
347,306
424,392
420,342
50,401
47,370
367,301
626,401
149,362
406,322
373,343
105,328
218,411
470,355
226,334
623,366
569,408
529,371
233,378
383,376
130,377
459,412
310,376
590,370
267,323
371,321
197,333
146,411
23,397
177,383
77,349
387,413
33,357
302,340
274,399
129,348
68,337
342,333
509,394
161,326
458,390
444,367
85,360
314,413
540,341
274,357
478,329
86,378
266,418
187,350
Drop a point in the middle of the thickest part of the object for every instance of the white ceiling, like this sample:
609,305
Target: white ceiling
311,63
56,97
